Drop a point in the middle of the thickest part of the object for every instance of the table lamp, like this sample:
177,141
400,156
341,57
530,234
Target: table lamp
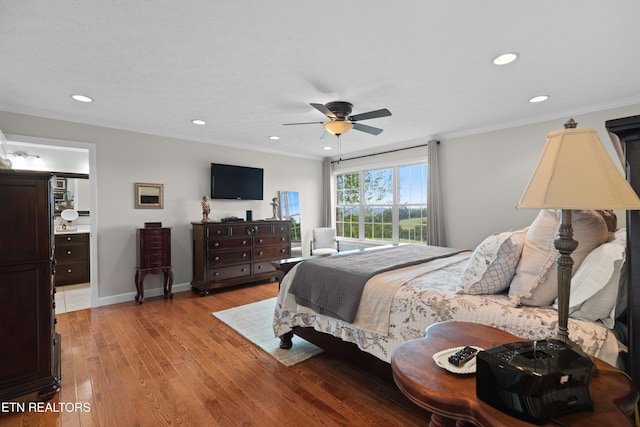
574,172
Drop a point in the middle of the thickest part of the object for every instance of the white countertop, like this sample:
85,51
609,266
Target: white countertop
80,228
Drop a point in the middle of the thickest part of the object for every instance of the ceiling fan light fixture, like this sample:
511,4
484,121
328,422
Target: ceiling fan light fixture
338,127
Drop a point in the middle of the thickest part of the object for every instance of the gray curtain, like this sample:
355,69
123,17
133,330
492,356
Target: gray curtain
435,226
326,194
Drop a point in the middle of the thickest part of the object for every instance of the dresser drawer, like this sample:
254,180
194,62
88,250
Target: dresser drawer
281,229
242,230
71,252
217,230
214,244
270,240
71,272
263,267
219,258
70,239
271,252
223,273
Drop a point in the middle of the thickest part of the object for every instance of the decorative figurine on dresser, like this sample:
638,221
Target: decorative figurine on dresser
30,345
236,252
153,256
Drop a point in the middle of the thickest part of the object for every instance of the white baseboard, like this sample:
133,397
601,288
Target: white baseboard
131,296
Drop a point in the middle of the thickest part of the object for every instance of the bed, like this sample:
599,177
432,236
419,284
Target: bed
488,285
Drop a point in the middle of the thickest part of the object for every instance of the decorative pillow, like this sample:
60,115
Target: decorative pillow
492,264
596,286
536,280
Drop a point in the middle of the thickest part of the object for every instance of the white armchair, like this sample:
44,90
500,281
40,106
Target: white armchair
324,241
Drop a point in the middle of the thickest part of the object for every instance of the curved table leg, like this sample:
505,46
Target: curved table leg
139,279
168,283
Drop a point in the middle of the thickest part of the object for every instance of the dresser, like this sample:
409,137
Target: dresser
153,256
29,343
72,258
232,253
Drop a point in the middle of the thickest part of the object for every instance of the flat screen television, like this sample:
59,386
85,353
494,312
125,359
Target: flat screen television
236,182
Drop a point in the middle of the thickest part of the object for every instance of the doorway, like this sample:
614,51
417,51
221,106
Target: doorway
74,164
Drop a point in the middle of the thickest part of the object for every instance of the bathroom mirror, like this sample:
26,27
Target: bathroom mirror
148,195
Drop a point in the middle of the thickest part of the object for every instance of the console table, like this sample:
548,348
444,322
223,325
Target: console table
453,397
153,256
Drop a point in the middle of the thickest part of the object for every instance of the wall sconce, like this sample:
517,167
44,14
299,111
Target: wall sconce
24,154
21,157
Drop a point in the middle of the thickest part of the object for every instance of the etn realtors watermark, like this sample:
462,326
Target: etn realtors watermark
45,407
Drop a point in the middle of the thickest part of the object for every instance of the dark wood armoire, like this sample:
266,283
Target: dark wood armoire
29,344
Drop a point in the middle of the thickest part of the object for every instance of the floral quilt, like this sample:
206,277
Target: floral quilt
432,298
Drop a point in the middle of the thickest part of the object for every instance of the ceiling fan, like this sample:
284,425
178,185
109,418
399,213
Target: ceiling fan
341,119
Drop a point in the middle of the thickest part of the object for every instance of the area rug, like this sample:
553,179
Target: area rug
254,322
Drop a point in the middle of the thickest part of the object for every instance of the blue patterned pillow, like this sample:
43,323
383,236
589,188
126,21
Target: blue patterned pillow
493,264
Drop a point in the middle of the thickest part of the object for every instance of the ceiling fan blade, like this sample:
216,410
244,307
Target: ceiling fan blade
368,129
370,115
324,110
302,123
326,134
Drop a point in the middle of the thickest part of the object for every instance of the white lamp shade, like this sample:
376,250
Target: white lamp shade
576,172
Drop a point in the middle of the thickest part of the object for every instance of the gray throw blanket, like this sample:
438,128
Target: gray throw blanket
333,285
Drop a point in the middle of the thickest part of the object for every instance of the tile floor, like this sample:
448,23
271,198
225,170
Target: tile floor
73,297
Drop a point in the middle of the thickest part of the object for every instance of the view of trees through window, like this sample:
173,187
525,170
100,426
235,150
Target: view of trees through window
388,204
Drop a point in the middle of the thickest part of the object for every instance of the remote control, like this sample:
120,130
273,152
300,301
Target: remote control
461,357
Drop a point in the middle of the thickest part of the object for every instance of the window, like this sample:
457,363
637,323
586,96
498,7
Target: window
386,204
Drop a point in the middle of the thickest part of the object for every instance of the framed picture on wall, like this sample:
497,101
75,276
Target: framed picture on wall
61,184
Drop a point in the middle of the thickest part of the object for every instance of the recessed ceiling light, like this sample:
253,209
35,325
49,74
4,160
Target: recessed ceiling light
274,137
82,98
505,58
198,122
539,98
327,147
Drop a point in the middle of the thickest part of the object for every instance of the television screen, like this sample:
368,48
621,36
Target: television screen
236,182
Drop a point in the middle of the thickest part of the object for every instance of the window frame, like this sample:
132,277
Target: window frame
361,169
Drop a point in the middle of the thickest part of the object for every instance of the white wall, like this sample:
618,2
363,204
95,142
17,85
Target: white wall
483,175
183,167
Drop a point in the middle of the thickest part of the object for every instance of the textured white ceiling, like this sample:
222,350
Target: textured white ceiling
247,67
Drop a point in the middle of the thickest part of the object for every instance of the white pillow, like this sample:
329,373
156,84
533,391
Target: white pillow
595,286
492,264
536,279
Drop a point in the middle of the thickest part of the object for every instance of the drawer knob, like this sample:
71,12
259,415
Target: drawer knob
216,258
68,252
69,270
244,242
259,267
243,269
283,250
260,253
68,239
244,255
216,274
216,244
260,241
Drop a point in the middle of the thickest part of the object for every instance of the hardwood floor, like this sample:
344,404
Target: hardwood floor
171,363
